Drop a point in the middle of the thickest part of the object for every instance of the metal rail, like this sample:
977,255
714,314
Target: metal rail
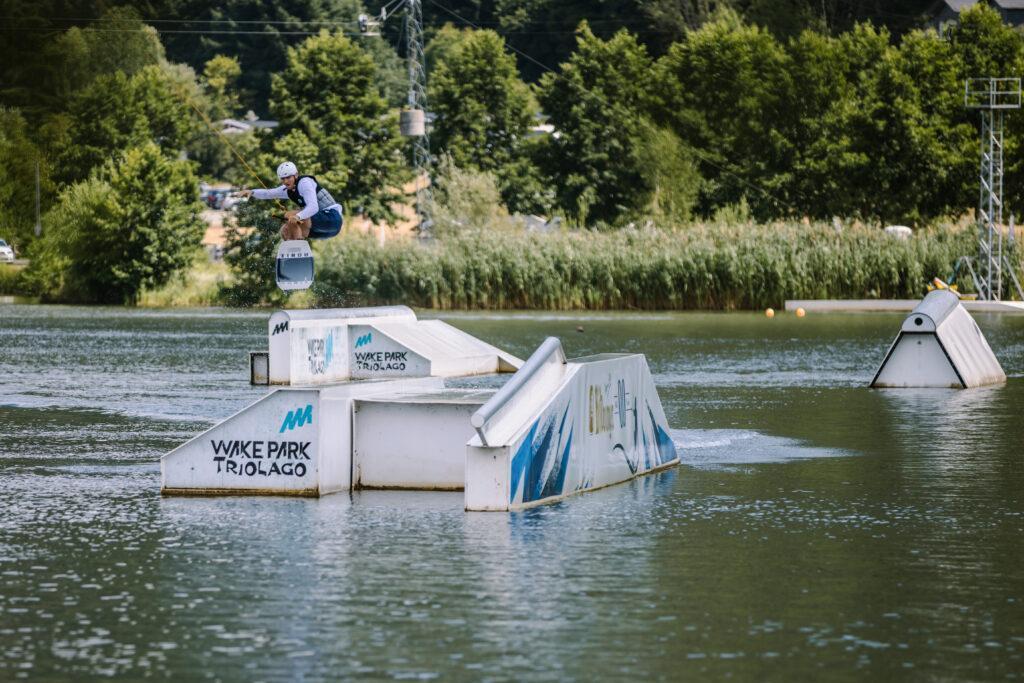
534,363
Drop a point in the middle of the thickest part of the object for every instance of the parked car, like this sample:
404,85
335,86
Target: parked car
6,252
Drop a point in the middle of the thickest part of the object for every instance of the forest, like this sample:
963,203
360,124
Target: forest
664,113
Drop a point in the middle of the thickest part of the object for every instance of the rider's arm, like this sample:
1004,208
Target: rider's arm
275,193
307,188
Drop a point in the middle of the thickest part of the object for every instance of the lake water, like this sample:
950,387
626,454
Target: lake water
816,530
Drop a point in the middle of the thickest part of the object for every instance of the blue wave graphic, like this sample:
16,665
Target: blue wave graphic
364,340
297,418
530,461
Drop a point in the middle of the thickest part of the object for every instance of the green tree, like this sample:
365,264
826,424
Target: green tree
251,254
117,42
669,169
825,73
17,180
466,198
118,111
256,32
335,124
219,155
988,48
596,104
484,113
131,225
220,76
483,109
896,148
544,29
726,90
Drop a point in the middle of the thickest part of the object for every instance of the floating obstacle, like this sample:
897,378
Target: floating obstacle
363,404
939,345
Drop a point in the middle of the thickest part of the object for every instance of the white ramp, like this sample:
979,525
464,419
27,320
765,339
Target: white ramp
939,345
323,346
561,427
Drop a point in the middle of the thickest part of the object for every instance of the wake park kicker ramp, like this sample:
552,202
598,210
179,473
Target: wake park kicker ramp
939,346
557,427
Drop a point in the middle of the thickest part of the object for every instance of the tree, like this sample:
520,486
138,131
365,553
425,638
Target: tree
251,254
596,102
669,169
466,198
726,91
483,109
17,179
988,48
484,113
335,124
895,148
255,32
542,31
117,42
220,76
131,225
674,18
117,111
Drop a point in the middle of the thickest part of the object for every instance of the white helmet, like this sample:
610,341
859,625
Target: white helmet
286,169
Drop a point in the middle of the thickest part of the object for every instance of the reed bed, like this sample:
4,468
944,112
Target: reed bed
711,267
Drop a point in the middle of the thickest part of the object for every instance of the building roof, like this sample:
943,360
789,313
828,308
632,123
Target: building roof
237,126
960,5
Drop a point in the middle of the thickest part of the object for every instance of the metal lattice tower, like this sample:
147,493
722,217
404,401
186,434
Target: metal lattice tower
992,96
413,119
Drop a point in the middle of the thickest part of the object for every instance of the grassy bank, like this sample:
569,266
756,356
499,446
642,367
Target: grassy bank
11,281
198,286
700,267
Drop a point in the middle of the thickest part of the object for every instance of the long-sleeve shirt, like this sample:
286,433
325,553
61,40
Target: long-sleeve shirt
307,189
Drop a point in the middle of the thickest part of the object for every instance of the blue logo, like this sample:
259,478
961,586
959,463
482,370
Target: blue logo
297,418
364,340
330,348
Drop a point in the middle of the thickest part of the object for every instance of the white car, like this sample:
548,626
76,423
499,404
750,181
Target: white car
6,253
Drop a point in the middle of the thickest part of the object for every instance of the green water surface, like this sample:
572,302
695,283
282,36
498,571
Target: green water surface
816,530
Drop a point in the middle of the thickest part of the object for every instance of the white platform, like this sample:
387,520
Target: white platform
897,305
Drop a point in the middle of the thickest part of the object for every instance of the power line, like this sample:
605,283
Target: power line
186,32
101,20
241,32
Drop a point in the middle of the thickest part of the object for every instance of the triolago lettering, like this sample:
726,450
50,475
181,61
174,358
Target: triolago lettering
252,458
376,361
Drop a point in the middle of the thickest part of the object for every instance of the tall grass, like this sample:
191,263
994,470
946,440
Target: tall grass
196,286
699,267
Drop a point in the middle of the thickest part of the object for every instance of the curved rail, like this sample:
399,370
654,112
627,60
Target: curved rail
534,363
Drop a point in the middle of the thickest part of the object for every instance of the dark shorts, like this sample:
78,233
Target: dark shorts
325,223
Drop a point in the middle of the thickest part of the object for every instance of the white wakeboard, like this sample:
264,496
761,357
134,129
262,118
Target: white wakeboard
294,265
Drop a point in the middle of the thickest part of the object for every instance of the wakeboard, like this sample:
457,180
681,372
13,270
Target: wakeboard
294,265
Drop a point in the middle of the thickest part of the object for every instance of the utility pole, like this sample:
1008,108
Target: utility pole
992,97
39,223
